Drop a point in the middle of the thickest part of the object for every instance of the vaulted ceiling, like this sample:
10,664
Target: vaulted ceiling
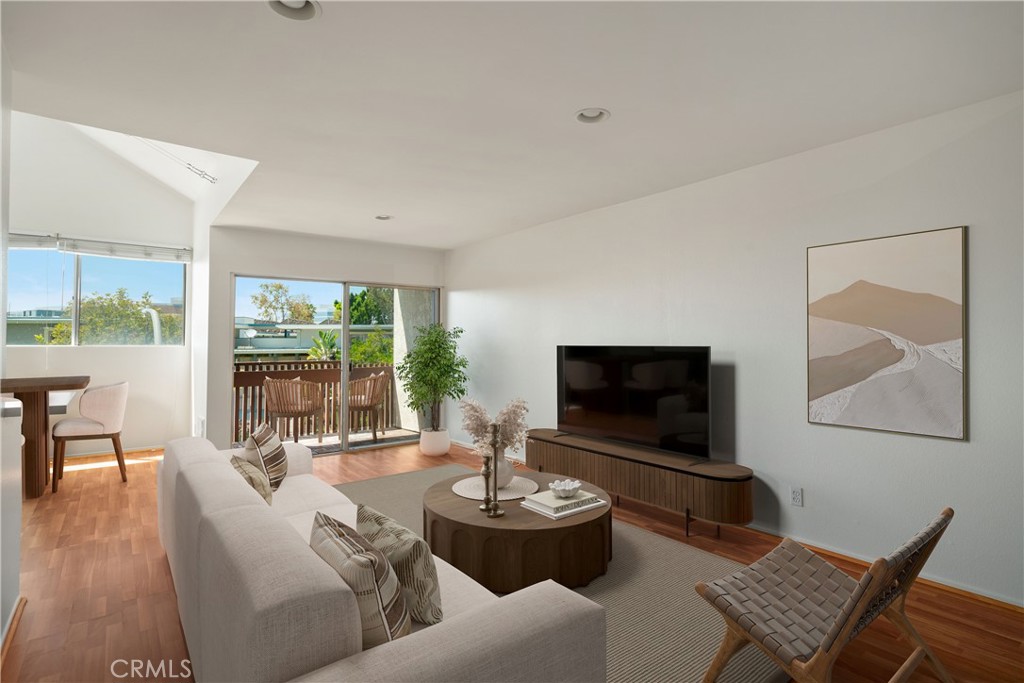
458,119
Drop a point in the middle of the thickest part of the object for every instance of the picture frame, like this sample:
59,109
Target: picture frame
887,333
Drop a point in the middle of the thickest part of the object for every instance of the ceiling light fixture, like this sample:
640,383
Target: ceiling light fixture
384,217
593,115
300,10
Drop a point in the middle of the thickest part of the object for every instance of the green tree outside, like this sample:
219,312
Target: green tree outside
377,348
275,302
116,319
371,306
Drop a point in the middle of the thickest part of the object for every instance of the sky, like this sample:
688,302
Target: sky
322,294
41,278
924,262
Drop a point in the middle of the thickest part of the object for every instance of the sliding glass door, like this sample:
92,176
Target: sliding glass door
382,325
346,339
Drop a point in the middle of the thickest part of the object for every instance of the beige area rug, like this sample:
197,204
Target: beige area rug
659,629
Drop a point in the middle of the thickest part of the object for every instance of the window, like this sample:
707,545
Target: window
40,291
61,292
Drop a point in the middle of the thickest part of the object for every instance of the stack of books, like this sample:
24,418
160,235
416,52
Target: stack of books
548,504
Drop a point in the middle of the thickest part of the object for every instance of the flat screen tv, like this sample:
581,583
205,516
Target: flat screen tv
654,396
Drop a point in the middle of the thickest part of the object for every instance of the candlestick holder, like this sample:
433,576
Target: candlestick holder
491,483
486,474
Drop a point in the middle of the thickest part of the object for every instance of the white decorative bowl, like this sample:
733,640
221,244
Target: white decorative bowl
565,488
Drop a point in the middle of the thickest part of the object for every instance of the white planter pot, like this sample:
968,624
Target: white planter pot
435,443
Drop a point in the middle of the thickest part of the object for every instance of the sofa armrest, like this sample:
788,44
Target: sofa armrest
542,633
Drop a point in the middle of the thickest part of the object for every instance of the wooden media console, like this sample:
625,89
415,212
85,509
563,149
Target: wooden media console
710,490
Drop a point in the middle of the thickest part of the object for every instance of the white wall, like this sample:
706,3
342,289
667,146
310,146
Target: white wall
264,253
63,181
158,395
10,428
722,262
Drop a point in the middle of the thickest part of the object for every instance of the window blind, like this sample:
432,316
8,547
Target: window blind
77,245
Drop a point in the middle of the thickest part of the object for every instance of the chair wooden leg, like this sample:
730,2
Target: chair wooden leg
373,424
733,642
116,438
898,617
63,452
58,470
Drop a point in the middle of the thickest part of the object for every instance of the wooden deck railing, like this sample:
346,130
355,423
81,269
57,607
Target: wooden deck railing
250,407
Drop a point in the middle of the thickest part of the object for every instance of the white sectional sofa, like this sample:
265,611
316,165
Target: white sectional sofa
257,604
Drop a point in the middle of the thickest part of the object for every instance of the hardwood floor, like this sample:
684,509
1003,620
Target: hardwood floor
99,588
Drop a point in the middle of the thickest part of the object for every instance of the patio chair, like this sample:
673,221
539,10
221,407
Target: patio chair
295,398
366,395
801,611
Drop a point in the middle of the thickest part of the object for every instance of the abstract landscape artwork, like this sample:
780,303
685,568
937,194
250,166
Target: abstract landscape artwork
885,333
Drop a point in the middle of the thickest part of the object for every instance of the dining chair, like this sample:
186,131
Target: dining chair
294,398
801,610
102,416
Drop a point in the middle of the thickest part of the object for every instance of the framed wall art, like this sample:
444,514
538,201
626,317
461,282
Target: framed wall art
886,333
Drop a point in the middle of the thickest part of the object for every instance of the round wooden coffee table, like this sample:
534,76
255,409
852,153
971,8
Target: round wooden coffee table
522,548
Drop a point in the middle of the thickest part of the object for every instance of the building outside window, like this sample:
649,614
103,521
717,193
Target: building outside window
77,292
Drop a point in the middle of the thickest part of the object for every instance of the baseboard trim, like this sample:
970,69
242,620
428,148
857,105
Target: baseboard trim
19,609
675,518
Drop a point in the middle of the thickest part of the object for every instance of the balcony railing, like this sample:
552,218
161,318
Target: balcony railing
250,407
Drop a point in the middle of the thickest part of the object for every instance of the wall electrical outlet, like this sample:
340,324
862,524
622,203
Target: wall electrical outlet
796,497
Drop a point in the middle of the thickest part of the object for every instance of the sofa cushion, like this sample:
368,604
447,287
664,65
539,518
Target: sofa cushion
411,558
272,457
303,493
343,510
179,454
254,477
270,609
378,593
459,592
201,490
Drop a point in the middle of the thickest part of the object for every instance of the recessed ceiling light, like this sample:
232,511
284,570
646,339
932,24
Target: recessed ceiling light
592,115
299,10
384,217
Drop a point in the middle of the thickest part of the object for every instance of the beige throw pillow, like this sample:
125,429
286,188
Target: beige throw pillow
254,476
272,457
367,572
412,560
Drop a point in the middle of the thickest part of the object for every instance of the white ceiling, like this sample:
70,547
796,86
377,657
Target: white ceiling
458,118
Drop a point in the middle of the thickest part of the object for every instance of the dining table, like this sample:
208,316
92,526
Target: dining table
34,394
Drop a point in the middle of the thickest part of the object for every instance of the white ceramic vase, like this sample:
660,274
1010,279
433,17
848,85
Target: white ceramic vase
435,443
505,470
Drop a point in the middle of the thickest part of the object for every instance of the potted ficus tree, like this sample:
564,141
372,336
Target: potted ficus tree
432,371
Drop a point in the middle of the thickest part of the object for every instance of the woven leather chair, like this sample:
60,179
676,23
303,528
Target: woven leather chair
801,611
102,416
295,398
366,395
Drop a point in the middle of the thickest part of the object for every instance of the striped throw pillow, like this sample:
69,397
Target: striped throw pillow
254,476
412,560
367,572
272,458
